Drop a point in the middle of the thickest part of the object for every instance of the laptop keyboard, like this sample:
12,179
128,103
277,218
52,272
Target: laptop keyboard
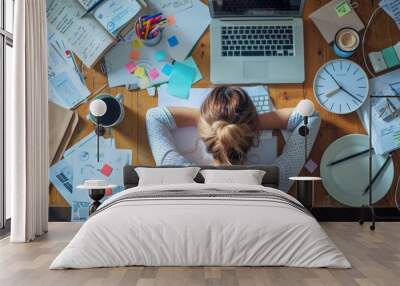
256,41
261,102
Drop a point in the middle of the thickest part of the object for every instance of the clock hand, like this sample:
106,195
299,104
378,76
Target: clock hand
334,79
356,98
333,92
341,87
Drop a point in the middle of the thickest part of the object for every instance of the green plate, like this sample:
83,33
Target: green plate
347,181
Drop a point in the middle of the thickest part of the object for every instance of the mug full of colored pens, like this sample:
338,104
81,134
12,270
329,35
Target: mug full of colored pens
149,28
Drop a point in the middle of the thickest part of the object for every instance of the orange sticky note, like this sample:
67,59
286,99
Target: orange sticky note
171,20
135,55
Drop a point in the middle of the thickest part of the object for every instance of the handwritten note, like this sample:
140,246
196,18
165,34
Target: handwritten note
85,36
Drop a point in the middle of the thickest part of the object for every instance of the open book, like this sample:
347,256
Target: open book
91,36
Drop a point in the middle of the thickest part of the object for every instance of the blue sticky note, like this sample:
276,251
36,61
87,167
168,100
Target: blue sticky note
167,69
181,80
173,41
160,56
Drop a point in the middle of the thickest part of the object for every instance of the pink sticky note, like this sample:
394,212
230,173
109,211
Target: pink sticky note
153,73
106,170
130,67
135,55
108,192
171,20
311,166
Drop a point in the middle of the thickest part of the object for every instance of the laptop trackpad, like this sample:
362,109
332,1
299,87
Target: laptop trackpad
255,69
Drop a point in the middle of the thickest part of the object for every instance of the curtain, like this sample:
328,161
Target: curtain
27,124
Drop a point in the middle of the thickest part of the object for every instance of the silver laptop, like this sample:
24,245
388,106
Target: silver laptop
257,41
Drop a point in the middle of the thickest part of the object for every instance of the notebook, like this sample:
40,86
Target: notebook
91,36
329,20
62,124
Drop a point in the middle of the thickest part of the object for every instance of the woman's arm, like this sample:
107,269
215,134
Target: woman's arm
160,124
277,119
185,117
291,161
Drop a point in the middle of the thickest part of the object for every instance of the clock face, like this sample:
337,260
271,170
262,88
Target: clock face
341,86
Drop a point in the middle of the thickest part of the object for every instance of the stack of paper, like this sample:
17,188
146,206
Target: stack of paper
66,85
385,134
80,164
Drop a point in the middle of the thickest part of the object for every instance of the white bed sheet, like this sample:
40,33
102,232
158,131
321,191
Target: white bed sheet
200,231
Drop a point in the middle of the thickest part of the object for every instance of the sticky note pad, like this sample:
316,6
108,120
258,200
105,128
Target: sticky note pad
106,170
390,57
140,72
135,54
130,67
173,41
171,20
343,8
311,166
167,69
137,44
154,74
160,56
181,80
108,192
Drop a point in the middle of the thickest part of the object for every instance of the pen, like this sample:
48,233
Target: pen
379,172
348,157
94,6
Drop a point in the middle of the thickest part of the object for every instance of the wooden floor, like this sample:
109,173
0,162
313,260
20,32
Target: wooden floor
375,257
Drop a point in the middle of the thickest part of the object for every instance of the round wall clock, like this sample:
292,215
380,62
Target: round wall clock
341,86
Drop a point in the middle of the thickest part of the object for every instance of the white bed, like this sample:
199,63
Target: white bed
224,225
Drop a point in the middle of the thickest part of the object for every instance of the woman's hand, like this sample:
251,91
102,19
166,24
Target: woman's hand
185,117
277,119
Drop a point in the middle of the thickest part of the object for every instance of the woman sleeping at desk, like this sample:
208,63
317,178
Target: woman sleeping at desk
229,125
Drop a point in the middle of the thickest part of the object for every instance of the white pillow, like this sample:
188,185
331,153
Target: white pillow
248,177
166,176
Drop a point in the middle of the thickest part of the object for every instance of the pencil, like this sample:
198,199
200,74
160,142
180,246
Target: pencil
147,30
377,174
348,158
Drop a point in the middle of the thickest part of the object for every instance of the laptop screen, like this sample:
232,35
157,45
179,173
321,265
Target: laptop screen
255,8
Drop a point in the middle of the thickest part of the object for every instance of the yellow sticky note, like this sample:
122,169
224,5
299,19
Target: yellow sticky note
140,72
137,44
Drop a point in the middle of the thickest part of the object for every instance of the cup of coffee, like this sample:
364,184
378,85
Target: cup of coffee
115,110
347,40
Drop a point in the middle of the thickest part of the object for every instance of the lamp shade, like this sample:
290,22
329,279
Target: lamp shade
305,107
98,108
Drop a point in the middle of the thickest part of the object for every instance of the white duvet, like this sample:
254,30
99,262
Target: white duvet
202,231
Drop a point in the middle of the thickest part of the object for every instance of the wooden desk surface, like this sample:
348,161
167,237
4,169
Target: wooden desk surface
131,133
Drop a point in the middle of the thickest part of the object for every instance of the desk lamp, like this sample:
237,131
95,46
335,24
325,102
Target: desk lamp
306,109
98,108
